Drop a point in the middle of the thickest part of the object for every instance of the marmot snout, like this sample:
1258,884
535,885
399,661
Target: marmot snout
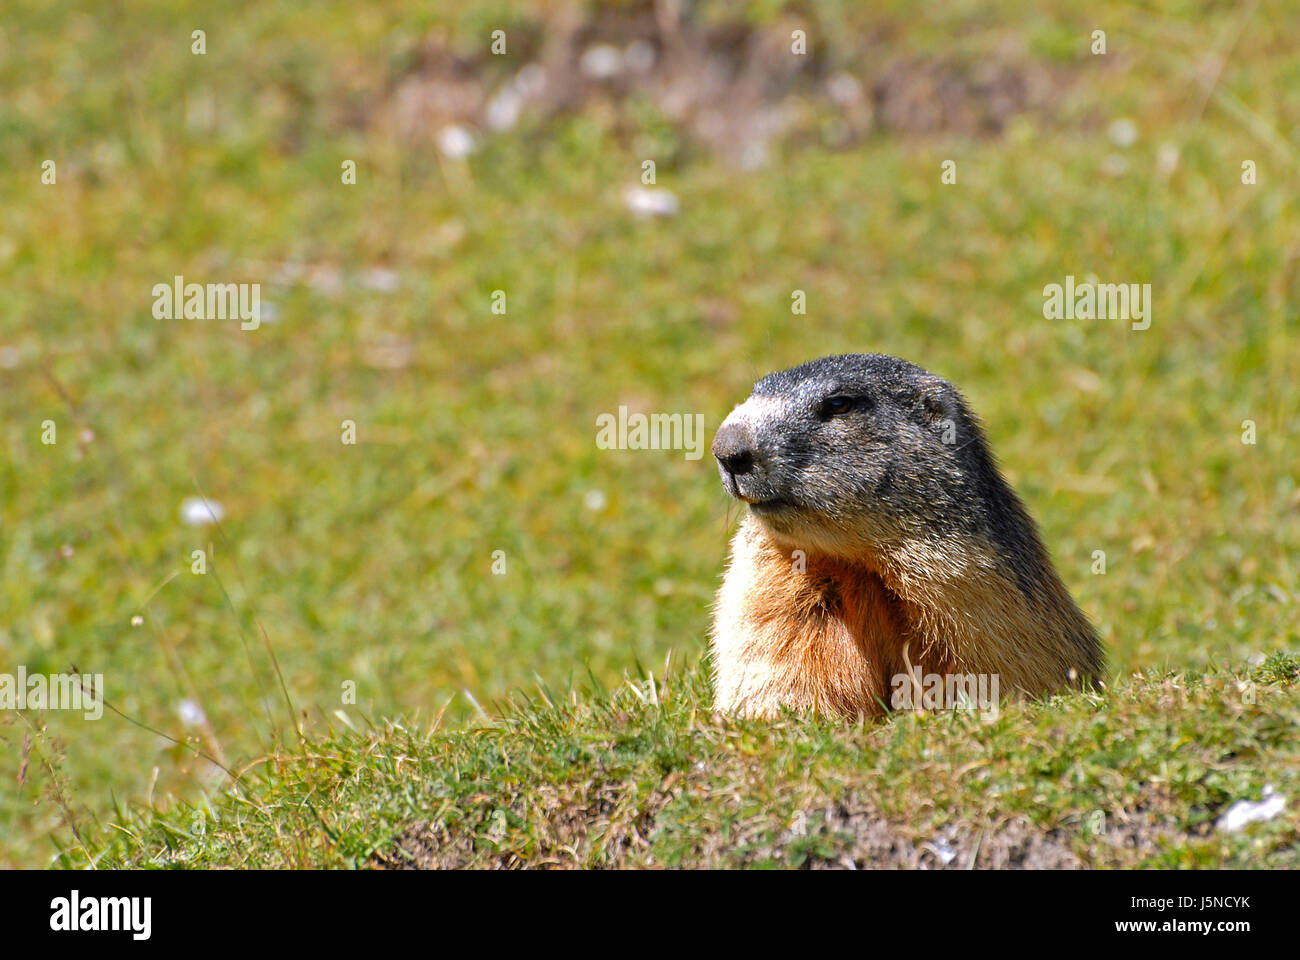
880,539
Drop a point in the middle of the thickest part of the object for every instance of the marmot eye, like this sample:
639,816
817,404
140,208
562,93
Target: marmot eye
837,406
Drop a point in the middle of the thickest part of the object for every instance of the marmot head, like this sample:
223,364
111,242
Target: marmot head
855,451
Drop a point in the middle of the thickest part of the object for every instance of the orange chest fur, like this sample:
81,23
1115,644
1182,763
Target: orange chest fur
832,635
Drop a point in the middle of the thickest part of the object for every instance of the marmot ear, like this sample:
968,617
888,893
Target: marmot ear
932,395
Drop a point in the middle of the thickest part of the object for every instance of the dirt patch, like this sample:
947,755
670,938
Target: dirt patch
733,89
865,841
862,839
608,825
975,98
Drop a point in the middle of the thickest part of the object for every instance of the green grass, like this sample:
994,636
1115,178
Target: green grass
645,775
371,564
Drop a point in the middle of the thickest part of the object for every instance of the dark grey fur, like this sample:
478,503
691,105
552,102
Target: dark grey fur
908,459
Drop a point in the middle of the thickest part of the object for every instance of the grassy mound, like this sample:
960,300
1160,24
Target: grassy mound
1131,774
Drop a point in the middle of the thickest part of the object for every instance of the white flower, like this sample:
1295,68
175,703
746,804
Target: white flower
601,61
530,81
944,851
844,89
1123,132
503,110
1167,158
198,512
192,714
651,201
1243,812
456,142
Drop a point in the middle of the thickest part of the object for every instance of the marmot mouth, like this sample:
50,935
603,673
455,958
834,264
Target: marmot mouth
768,506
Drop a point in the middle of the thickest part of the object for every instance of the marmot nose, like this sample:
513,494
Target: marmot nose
733,446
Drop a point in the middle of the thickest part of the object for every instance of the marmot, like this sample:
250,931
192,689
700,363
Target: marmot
880,541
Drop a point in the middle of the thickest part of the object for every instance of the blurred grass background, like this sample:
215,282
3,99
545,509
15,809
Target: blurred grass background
372,563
